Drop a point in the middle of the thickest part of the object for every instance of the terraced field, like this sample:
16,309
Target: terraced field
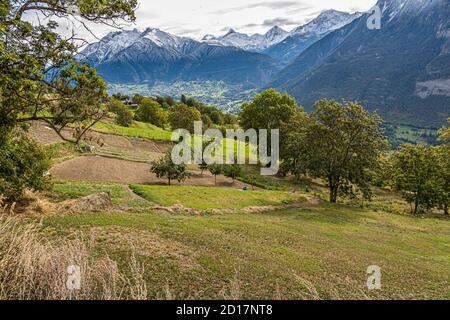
199,240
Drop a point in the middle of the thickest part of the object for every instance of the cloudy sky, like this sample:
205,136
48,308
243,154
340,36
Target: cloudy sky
195,18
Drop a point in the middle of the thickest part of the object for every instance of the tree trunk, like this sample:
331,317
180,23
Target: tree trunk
333,197
446,209
333,191
169,182
215,180
416,205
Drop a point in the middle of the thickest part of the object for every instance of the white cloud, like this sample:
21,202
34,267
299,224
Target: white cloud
196,18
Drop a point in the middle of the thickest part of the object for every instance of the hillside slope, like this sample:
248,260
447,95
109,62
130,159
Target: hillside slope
402,70
302,37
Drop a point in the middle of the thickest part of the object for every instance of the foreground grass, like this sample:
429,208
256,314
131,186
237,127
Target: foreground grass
213,198
311,253
35,267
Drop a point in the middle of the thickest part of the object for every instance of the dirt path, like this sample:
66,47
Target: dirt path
101,169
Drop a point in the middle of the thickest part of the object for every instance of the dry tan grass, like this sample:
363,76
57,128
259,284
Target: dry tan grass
32,267
233,290
144,243
36,204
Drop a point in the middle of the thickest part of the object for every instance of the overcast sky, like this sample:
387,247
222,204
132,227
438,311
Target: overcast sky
195,18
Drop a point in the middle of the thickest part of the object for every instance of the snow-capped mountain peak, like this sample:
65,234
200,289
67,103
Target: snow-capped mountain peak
327,21
112,43
256,42
231,31
208,37
276,34
164,39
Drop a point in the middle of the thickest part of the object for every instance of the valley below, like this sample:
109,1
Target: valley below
227,97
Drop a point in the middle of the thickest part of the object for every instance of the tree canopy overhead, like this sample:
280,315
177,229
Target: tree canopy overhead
41,77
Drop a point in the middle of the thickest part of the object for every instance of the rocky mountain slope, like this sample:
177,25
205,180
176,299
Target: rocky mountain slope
151,55
402,70
302,37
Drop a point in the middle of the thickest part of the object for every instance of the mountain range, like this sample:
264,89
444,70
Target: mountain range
152,55
282,45
402,70
256,42
302,37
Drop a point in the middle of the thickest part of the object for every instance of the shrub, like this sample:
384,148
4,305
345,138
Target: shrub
23,165
115,105
124,118
232,171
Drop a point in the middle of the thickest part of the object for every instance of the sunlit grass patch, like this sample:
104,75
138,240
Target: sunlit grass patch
137,129
213,198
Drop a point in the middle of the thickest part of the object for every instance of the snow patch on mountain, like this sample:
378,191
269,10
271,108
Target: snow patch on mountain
112,44
164,39
256,42
326,22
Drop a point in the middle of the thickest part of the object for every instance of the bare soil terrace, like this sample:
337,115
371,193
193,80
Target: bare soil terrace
118,159
101,169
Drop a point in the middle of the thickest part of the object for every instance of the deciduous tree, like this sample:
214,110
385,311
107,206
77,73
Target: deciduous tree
415,169
182,116
42,77
268,110
150,111
166,168
215,169
339,143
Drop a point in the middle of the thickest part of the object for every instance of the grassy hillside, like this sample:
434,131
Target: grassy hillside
401,134
137,129
311,253
213,198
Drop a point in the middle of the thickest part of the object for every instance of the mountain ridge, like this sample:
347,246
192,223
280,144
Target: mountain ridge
133,56
304,36
401,70
255,42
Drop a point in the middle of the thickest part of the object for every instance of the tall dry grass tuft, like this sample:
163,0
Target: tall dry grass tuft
233,290
32,267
